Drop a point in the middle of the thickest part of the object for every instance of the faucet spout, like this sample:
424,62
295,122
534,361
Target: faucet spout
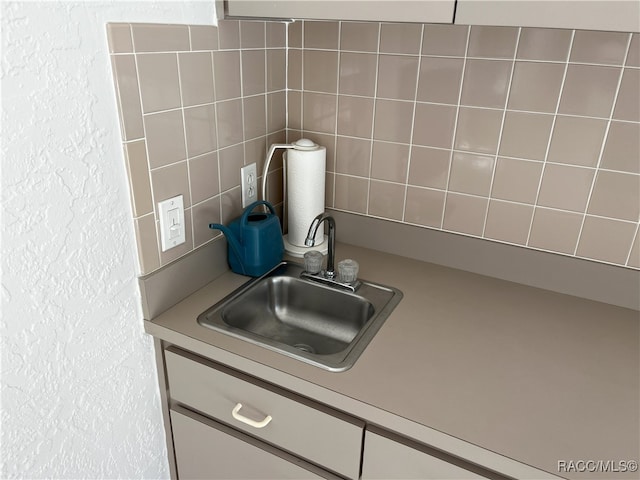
310,240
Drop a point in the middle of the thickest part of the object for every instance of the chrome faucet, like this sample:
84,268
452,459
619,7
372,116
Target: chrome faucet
310,241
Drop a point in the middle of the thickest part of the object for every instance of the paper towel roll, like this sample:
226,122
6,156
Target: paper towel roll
305,192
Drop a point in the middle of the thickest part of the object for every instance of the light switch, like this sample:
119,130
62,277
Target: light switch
172,227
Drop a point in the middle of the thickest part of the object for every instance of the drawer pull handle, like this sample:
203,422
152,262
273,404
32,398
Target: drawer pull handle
241,418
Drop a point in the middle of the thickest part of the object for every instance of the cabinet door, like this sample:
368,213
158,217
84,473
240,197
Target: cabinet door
204,451
427,11
387,459
616,15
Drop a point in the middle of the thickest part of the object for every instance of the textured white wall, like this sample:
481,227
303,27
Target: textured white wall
79,392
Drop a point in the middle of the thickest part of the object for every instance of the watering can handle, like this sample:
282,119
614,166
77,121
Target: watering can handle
250,208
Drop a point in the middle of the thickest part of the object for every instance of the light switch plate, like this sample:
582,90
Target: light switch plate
172,227
249,183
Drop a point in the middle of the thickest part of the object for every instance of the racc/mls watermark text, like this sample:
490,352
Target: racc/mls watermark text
597,466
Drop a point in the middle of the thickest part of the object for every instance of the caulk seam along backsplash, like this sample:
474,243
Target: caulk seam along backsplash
522,136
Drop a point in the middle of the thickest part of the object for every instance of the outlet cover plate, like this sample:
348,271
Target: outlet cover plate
172,227
249,184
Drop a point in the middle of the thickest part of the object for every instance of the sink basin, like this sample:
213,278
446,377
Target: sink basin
312,322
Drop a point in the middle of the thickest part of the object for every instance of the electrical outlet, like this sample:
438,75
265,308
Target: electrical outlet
249,183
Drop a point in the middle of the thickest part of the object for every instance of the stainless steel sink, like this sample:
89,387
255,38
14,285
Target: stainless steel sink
312,322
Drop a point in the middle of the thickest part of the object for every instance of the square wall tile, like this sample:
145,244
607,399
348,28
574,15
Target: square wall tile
138,170
276,34
294,34
440,80
359,36
229,34
227,74
171,181
355,116
478,130
129,106
508,222
159,84
231,161
433,125
590,46
606,239
231,205
321,34
358,74
615,195
389,161
230,122
203,37
353,156
203,177
392,120
492,42
516,180
252,34
253,64
320,71
628,101
255,150
577,140
196,78
448,40
276,69
200,128
589,90
547,44
255,116
471,173
465,214
622,150
202,215
429,167
276,111
294,69
351,194
386,200
525,135
294,110
165,138
535,87
147,243
400,38
319,112
424,207
149,37
555,230
119,36
485,83
397,77
565,187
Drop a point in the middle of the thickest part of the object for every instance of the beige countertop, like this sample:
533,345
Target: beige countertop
528,374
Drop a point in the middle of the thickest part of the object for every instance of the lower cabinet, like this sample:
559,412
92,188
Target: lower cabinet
205,450
388,459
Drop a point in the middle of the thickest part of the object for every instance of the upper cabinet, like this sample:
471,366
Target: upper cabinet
422,11
615,15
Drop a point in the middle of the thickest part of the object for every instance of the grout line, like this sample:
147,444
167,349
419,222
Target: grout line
413,123
602,147
373,120
455,126
633,238
504,116
551,131
335,135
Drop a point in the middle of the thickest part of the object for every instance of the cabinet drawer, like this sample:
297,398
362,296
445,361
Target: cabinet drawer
388,459
213,451
297,425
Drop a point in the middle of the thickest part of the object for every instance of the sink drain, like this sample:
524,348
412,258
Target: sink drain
304,347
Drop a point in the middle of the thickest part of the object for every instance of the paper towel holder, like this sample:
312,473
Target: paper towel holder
303,144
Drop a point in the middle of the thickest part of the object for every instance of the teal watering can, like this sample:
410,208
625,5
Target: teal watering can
255,241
